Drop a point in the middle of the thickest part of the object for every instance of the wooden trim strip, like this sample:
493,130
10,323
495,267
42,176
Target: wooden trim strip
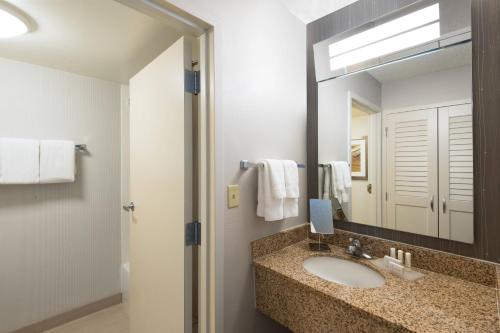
71,315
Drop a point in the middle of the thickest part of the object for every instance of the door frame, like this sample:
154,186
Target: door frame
190,25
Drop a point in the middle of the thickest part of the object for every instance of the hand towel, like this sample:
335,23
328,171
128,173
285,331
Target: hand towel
268,207
326,195
290,207
333,185
276,174
346,172
342,180
291,179
19,161
57,161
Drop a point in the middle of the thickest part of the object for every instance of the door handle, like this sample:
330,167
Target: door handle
444,205
432,203
369,188
129,207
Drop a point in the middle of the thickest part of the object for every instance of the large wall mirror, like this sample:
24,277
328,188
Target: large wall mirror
395,122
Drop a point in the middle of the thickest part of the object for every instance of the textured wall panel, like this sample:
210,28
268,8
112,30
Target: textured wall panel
59,243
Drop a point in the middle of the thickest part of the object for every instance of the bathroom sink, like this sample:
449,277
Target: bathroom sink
344,272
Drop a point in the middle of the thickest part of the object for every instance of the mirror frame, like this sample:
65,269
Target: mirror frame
486,142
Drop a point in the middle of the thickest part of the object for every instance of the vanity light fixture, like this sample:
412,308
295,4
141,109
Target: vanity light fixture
410,30
13,22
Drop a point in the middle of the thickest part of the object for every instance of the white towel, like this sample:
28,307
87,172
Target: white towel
19,161
291,179
342,181
57,161
291,202
276,174
268,207
290,207
330,190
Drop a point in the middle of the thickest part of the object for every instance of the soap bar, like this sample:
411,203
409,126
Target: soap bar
388,260
397,269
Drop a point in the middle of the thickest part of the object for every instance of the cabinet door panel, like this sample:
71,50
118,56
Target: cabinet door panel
456,195
411,172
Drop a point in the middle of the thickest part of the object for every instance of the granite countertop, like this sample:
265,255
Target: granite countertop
434,303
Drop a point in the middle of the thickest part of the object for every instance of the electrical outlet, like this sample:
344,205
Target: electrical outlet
233,196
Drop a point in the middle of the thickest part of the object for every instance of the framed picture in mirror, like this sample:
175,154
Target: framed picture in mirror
359,159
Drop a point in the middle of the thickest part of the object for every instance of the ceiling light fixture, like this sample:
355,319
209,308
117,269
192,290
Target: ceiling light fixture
13,22
387,46
410,30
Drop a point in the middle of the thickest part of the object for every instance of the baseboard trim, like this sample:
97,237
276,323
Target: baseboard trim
71,315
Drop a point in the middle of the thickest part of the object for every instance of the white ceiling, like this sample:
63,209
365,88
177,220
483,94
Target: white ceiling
448,58
311,10
98,38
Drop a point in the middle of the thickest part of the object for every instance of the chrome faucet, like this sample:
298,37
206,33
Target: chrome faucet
355,249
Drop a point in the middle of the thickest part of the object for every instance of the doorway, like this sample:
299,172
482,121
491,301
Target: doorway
364,157
71,82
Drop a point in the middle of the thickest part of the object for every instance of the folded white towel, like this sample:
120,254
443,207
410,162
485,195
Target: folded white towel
276,174
291,202
290,207
330,186
291,179
342,181
326,188
268,206
19,161
57,161
346,172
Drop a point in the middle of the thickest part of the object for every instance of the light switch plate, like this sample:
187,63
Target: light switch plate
233,196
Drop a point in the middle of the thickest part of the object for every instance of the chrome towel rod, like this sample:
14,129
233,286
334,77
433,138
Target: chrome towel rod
81,147
320,165
245,165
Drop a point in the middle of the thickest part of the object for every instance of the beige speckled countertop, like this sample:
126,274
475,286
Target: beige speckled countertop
434,303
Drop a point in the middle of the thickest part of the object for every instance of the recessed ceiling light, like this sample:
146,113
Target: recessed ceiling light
13,22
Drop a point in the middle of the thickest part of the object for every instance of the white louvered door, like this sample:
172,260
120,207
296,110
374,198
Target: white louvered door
456,215
411,172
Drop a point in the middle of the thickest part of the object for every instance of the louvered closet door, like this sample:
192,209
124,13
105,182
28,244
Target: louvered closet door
412,172
456,215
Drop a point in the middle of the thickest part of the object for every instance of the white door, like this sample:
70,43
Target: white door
161,189
456,214
411,172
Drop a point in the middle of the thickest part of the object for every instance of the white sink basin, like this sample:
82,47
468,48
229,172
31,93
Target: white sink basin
344,272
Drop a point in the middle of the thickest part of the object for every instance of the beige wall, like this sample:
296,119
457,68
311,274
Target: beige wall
59,243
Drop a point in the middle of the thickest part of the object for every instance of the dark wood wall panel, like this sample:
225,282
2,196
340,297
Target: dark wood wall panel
486,96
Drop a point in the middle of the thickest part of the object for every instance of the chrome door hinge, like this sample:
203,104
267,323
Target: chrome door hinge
386,131
192,82
386,196
193,233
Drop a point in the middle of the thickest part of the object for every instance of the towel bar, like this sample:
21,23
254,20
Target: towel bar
245,165
81,147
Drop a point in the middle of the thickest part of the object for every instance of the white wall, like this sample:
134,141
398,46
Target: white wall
333,115
334,123
443,86
260,61
59,243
